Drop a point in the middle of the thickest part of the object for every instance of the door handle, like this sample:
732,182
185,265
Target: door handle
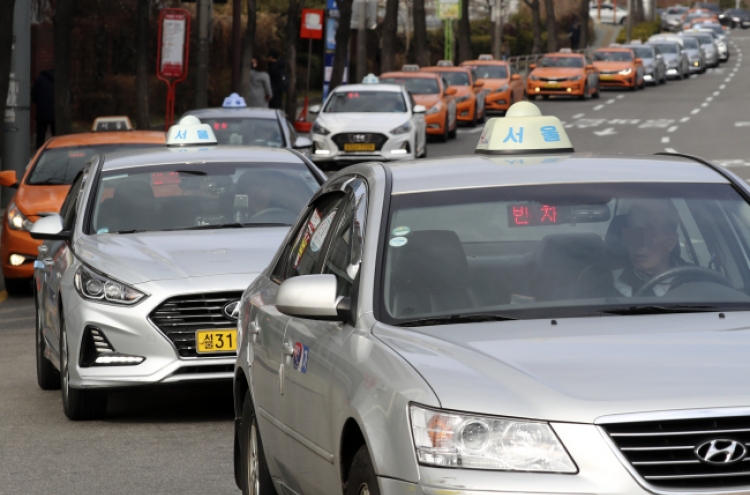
288,349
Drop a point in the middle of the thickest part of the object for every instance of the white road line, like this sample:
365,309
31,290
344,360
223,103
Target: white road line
606,132
684,119
694,111
709,99
727,79
665,140
578,115
717,93
672,129
598,107
620,97
704,105
670,150
742,124
609,102
723,86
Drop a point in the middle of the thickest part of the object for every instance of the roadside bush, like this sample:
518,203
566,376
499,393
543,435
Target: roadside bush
641,31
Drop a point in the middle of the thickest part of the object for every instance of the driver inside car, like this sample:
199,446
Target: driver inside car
649,240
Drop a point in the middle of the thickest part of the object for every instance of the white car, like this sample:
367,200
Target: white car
362,122
609,13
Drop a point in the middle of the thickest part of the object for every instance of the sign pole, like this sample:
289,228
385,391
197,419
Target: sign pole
172,55
311,27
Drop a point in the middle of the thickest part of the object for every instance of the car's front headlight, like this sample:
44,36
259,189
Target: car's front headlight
449,439
402,129
17,220
463,98
434,108
502,89
574,78
96,286
625,72
319,129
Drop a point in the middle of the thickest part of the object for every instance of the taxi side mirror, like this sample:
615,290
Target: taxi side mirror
313,297
451,91
302,142
638,61
479,84
419,109
314,109
8,179
532,66
590,67
50,228
515,77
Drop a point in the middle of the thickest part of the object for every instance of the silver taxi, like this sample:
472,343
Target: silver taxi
139,278
524,320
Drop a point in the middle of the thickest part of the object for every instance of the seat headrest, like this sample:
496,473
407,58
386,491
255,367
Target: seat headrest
430,260
573,251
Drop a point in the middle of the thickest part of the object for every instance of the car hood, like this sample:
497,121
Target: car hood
361,122
150,256
426,100
556,72
582,368
32,200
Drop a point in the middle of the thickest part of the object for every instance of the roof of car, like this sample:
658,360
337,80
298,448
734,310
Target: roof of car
104,138
564,54
477,171
483,62
440,68
246,112
423,75
396,88
219,154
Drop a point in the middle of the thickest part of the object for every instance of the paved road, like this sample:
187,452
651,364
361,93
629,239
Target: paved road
179,440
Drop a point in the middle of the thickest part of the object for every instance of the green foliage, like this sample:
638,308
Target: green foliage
641,31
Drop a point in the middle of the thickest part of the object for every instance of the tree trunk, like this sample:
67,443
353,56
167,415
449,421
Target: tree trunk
292,33
63,25
464,33
549,6
6,51
142,36
420,34
536,25
247,50
640,14
583,13
390,30
343,33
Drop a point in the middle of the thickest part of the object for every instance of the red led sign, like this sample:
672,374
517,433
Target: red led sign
220,125
162,178
531,214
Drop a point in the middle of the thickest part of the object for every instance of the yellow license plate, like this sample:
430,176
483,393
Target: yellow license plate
208,341
606,78
359,147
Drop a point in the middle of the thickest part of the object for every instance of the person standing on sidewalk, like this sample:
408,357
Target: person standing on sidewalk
259,93
277,73
43,96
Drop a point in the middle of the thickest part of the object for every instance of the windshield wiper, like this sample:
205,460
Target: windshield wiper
126,231
455,319
661,309
191,172
52,181
234,225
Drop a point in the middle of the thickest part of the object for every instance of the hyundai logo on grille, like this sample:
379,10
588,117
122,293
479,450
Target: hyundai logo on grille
359,138
721,451
232,310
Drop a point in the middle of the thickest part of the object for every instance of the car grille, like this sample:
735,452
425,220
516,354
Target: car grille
666,453
359,137
179,317
608,72
553,79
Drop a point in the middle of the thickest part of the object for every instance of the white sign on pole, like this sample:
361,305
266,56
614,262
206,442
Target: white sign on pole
449,10
173,47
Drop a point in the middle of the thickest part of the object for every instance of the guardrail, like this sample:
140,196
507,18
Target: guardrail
521,62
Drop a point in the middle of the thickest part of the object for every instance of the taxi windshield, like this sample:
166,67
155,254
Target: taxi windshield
704,39
59,166
491,71
366,101
456,78
607,56
187,196
567,62
417,85
690,43
643,52
667,47
247,131
565,250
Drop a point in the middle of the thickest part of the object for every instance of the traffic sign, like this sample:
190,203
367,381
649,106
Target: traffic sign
311,26
449,10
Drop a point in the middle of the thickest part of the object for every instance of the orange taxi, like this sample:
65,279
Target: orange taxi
563,74
619,68
469,94
501,84
431,91
43,188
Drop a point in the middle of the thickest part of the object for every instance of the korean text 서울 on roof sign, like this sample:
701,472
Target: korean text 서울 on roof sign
172,63
449,9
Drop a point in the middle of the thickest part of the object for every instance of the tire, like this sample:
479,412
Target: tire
47,375
362,478
256,478
598,93
484,117
473,121
585,92
545,97
17,286
78,404
453,132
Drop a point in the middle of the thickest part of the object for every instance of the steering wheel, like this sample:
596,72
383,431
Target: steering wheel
699,271
271,211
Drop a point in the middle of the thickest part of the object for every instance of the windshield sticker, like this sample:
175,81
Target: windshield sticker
301,352
103,230
401,231
312,224
317,240
398,241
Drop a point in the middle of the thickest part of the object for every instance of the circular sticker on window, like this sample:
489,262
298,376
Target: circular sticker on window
398,241
401,231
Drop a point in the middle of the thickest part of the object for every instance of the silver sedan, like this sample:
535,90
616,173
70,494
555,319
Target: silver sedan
140,275
554,323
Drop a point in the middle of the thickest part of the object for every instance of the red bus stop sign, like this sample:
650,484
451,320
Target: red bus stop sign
172,57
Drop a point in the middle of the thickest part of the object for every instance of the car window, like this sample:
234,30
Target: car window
608,56
70,205
366,101
247,131
302,255
456,78
690,43
553,250
416,85
491,71
567,62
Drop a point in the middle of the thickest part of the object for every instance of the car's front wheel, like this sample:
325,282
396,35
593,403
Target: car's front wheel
78,404
17,286
256,478
362,478
47,375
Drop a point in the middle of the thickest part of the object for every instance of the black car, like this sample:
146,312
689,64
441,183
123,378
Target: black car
735,18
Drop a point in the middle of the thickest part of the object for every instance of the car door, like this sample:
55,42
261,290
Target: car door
318,347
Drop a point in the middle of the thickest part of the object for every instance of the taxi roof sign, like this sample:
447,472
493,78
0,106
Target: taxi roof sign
523,131
113,123
486,56
410,68
234,101
370,79
566,50
445,63
190,132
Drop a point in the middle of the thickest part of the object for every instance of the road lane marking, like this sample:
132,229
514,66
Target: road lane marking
578,115
670,150
672,129
717,93
609,102
742,124
710,98
3,296
694,111
598,107
723,86
665,140
620,97
684,119
704,105
727,79
606,132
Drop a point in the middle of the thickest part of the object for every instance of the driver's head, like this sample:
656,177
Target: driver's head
651,235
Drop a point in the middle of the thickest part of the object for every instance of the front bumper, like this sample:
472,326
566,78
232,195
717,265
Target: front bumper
18,242
618,80
398,147
130,332
569,88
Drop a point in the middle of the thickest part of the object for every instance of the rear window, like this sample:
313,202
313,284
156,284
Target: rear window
59,166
